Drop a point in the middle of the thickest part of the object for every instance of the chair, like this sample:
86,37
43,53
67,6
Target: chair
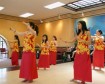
3,51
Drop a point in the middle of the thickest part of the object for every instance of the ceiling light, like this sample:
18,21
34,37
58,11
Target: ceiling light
54,5
1,8
26,15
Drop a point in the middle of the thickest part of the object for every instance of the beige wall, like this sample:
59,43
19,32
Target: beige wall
5,26
7,34
62,29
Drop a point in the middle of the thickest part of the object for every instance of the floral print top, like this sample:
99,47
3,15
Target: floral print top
29,43
82,47
53,46
15,47
99,45
45,49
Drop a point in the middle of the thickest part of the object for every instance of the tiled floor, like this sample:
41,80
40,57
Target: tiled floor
58,74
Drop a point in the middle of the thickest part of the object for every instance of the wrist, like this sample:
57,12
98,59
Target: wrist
14,31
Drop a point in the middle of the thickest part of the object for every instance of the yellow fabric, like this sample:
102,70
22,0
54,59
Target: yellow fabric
15,47
53,46
29,43
45,50
82,47
99,44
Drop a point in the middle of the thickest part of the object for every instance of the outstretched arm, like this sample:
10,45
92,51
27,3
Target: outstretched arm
31,30
73,40
17,33
89,38
12,41
93,37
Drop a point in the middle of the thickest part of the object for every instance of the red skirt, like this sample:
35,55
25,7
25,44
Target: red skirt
82,67
53,57
28,69
43,61
14,58
98,58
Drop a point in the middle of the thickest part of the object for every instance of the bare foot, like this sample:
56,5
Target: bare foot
30,81
25,80
82,82
99,69
44,68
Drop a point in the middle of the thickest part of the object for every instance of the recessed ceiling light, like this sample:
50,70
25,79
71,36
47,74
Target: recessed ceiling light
1,8
54,5
26,15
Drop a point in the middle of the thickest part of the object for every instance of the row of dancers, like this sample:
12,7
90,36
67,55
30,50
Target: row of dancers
28,69
47,49
82,63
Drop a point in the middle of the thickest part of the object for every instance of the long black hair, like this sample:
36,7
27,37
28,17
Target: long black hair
44,41
17,38
55,38
34,27
100,31
84,27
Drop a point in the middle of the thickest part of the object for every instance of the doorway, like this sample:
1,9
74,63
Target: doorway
3,47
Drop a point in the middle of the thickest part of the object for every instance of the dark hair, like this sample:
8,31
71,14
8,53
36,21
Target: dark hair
84,27
17,38
34,27
55,38
44,41
100,32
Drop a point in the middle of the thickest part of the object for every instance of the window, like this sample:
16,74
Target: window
81,4
2,43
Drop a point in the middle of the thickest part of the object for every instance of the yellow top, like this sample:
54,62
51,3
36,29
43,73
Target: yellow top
53,46
15,47
29,43
99,45
45,49
82,47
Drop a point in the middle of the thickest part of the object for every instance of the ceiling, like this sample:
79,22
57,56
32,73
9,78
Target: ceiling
18,7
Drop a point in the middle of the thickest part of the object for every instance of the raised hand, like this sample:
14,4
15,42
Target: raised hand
12,29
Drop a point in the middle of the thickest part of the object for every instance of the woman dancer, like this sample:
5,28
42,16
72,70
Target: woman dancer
82,63
53,50
44,56
28,69
98,55
15,51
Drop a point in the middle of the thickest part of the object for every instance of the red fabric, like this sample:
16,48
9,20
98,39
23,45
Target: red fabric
28,69
44,61
104,54
82,67
98,58
53,57
14,58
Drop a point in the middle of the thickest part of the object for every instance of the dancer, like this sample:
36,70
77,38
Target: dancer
53,50
15,51
44,56
28,69
98,55
82,63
